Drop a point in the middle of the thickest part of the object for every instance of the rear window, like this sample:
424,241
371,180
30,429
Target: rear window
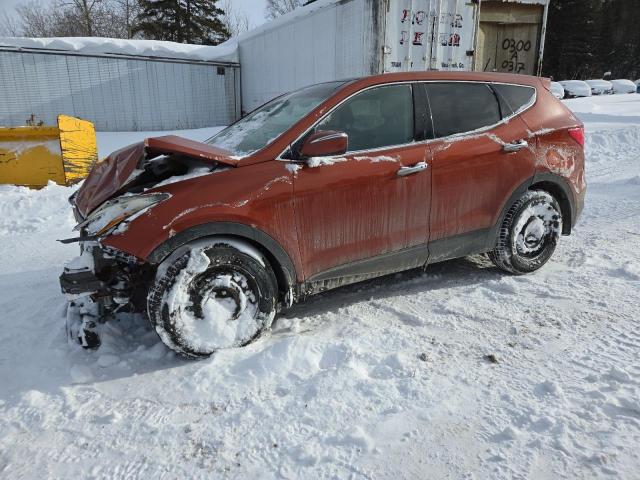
516,97
461,107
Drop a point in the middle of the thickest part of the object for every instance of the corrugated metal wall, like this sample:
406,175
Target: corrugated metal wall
117,94
336,42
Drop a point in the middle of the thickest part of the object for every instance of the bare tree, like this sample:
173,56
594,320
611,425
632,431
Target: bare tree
234,19
74,18
9,25
85,11
129,11
39,20
275,8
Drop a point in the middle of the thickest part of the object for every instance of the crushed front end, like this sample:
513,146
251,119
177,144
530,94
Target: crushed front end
98,284
121,189
103,281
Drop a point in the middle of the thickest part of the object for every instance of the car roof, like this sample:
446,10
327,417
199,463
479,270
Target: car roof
446,76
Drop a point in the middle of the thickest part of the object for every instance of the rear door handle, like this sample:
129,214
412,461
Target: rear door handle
418,167
515,146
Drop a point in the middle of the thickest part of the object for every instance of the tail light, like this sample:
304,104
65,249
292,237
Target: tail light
577,134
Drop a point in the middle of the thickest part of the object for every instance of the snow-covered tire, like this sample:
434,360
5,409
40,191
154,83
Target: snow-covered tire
211,296
529,233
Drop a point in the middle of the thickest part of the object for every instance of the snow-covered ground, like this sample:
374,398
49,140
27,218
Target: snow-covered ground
386,379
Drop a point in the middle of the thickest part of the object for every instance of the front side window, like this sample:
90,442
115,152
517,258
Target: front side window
267,123
376,118
458,107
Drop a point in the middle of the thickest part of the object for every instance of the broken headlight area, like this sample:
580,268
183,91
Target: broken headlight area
112,214
100,283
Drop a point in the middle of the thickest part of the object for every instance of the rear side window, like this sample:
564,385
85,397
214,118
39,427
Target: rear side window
375,118
516,97
461,107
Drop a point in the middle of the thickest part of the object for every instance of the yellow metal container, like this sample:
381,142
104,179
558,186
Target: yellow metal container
32,156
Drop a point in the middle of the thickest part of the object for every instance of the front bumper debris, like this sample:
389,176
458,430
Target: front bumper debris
99,283
77,282
83,316
80,274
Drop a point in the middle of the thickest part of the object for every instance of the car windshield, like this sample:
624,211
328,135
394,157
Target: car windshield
267,123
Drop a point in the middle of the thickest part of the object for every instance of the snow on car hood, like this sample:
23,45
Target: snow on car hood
111,176
623,86
599,86
576,87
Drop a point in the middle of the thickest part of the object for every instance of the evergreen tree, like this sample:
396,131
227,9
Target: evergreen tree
572,38
621,21
182,21
586,38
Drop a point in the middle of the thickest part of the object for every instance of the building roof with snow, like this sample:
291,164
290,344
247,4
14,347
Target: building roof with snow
119,47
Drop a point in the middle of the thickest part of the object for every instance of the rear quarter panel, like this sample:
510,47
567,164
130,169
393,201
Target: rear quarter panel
558,153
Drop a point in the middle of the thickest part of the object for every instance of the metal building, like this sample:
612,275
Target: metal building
336,39
511,36
115,91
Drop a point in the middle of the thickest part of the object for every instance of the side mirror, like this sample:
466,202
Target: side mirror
325,143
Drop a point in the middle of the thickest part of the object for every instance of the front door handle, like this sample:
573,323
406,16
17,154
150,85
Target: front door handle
515,146
418,167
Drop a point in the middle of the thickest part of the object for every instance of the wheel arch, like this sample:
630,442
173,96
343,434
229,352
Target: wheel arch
559,188
549,182
277,256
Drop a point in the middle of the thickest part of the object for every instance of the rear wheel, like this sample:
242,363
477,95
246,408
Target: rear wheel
529,233
211,296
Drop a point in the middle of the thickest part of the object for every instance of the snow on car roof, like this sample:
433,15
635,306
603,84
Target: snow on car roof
145,48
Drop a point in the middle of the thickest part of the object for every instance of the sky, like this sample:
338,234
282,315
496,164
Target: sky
253,8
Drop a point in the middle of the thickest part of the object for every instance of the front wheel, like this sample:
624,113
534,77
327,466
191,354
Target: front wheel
211,296
529,233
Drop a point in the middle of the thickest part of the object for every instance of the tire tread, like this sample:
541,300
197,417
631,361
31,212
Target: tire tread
502,256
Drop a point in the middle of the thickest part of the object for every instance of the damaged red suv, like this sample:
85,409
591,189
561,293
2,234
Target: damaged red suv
325,186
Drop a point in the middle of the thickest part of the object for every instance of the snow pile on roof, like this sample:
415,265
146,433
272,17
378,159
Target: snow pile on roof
147,48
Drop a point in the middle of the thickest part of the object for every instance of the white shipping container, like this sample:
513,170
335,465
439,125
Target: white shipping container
429,35
338,39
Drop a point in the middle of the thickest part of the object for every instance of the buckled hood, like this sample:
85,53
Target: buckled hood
111,176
